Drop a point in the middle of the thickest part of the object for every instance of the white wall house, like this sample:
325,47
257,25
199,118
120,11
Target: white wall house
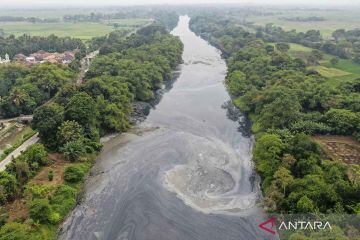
5,60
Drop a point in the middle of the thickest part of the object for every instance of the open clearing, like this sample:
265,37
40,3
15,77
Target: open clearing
345,149
330,72
344,71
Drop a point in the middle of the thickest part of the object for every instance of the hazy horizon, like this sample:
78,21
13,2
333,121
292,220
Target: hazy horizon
84,3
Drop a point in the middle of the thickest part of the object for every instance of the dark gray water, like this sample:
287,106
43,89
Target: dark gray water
185,173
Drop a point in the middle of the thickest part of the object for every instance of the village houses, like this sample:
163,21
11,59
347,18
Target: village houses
43,56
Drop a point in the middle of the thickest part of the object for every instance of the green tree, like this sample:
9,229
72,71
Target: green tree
73,150
36,153
113,119
267,154
48,77
237,83
280,113
8,184
305,205
46,120
22,171
73,174
342,121
69,131
282,47
81,108
284,178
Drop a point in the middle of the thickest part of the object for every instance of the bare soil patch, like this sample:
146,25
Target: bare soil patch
57,164
343,148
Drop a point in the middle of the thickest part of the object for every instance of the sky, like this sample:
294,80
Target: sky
146,2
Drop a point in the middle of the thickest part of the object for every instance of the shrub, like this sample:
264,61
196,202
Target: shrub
342,121
38,191
64,199
73,150
14,231
54,217
40,210
310,127
36,153
8,183
305,205
51,175
3,216
73,174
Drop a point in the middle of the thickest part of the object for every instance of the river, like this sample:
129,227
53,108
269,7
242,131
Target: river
184,173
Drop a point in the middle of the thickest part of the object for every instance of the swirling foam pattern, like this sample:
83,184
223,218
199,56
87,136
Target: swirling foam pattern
185,173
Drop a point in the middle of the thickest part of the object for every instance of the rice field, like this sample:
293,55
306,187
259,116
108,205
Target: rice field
84,31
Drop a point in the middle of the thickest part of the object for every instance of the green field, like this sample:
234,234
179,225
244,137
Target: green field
345,70
334,19
330,72
84,31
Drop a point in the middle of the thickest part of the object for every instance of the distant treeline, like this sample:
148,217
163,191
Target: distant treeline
303,19
28,19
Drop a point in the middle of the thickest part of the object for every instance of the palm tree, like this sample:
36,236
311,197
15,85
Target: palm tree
73,150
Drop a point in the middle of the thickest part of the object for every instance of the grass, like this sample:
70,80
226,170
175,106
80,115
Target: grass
344,71
84,31
334,19
294,47
330,72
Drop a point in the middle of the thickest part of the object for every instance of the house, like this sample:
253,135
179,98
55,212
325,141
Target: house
68,57
19,58
30,60
5,60
43,56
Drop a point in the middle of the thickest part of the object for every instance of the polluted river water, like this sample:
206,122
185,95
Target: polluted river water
184,173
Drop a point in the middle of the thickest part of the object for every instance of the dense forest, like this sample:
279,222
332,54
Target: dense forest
22,89
72,120
26,44
287,104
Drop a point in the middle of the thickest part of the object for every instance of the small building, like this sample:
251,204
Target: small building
19,58
5,60
30,60
68,57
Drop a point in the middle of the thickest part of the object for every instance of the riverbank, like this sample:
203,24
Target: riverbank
45,186
137,189
288,105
